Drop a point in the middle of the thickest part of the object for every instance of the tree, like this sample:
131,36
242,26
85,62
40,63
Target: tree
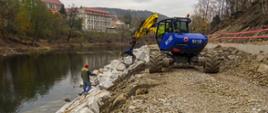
62,10
40,20
23,18
215,22
199,24
74,22
8,11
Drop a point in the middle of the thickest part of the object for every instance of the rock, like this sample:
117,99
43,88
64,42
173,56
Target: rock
263,111
128,60
139,75
94,81
89,104
105,82
121,67
260,58
263,68
142,91
85,110
132,107
101,70
96,72
67,100
143,54
121,99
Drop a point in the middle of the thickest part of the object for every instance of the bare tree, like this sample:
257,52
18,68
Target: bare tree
72,18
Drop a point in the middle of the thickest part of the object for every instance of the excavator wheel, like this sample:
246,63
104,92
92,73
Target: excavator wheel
156,61
211,63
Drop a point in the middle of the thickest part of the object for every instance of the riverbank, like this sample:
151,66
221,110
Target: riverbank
20,49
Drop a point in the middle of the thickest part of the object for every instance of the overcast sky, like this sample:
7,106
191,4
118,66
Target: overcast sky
170,8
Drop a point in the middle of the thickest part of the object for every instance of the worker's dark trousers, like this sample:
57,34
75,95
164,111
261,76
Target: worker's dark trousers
86,86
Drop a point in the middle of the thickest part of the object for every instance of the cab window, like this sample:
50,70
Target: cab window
161,29
181,27
168,27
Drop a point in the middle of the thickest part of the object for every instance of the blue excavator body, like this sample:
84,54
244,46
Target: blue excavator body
173,36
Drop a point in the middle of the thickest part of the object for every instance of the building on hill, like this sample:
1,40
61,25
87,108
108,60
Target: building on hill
95,19
53,5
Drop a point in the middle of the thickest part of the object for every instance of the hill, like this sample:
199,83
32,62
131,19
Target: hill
232,20
131,17
250,18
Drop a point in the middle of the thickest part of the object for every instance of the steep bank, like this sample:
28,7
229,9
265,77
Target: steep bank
252,19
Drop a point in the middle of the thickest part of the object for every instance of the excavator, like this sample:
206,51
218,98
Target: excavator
176,45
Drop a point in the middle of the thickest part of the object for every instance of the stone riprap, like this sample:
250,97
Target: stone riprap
107,77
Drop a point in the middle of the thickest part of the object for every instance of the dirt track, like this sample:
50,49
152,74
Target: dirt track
240,88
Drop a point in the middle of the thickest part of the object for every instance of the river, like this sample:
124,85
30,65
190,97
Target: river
39,83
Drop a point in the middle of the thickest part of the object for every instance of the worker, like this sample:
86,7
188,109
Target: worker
85,73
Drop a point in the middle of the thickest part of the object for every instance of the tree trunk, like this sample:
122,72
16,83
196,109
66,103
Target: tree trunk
206,13
3,35
69,36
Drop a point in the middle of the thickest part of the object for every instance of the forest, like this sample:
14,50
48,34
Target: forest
31,20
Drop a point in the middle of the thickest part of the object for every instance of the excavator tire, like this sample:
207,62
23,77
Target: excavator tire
156,61
211,63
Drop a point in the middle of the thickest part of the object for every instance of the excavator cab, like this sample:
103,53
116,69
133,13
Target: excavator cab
172,25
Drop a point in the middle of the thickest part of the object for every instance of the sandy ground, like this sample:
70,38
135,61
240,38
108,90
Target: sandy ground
241,88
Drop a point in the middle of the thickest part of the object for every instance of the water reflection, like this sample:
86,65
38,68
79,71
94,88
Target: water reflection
27,82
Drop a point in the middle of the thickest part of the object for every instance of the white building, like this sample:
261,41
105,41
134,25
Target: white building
95,19
53,5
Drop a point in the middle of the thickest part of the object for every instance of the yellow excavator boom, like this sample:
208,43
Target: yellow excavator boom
147,26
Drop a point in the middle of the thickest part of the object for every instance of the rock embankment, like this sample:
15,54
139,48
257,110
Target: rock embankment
107,77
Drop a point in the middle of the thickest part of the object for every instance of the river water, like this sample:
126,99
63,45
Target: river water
39,83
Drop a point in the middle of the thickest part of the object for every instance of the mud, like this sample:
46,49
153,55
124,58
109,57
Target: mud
240,87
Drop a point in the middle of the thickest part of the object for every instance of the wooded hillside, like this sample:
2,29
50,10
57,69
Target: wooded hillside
212,15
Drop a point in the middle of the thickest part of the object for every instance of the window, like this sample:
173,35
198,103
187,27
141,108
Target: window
168,27
181,27
161,29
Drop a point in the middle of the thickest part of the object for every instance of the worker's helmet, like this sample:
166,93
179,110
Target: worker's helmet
86,65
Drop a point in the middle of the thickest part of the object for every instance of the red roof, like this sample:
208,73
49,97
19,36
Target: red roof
91,11
96,11
52,1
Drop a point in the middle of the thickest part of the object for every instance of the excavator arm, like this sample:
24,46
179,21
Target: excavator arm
145,27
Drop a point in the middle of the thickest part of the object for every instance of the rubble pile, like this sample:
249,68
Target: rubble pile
254,69
229,57
107,77
236,62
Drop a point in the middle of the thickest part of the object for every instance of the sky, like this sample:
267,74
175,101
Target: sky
171,8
